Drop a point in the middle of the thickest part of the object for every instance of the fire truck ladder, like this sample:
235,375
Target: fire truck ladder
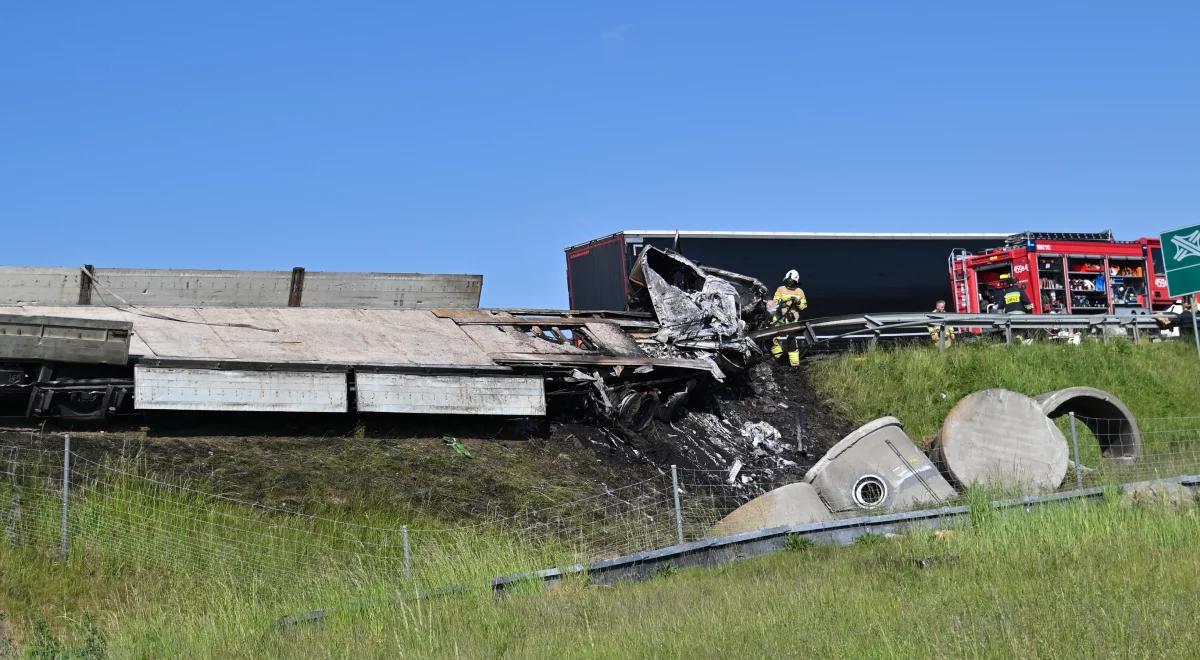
958,277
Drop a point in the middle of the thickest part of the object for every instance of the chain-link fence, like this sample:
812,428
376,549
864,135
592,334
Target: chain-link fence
104,510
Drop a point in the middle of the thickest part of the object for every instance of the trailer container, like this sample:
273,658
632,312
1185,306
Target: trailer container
842,273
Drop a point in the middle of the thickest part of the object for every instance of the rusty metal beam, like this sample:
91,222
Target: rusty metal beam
85,285
296,289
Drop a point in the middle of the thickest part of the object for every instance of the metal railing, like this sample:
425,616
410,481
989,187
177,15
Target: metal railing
872,328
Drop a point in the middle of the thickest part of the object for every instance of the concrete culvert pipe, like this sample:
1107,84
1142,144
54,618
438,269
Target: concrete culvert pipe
1104,414
1003,439
793,504
877,467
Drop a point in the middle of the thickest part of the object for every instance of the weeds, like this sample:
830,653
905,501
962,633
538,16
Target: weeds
797,543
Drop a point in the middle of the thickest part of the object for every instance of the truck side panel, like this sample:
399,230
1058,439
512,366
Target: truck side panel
840,275
596,274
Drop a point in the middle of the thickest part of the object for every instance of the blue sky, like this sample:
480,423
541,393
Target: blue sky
486,138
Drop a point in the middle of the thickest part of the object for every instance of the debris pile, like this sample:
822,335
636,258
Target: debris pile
746,436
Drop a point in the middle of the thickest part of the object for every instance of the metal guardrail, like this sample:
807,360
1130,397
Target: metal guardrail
876,327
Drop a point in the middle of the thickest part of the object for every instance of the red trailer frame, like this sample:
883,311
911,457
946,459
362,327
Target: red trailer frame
1066,274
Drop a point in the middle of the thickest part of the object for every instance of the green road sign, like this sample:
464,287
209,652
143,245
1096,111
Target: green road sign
1181,257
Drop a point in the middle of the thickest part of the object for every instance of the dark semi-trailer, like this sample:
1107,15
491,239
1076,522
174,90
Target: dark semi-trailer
842,273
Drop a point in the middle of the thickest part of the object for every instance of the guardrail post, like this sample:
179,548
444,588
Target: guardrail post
678,508
942,338
66,487
407,553
1075,449
1008,331
1195,333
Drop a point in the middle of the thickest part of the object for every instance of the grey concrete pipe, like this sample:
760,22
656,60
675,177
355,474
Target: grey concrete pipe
877,467
793,504
1004,439
1104,414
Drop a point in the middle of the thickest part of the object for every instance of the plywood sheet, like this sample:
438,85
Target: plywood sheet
161,388
450,395
395,337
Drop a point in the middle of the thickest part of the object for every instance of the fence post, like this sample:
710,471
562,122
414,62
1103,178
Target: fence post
407,554
66,485
678,508
799,434
1075,448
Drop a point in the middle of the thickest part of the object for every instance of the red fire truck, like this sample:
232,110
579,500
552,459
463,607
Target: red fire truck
1064,274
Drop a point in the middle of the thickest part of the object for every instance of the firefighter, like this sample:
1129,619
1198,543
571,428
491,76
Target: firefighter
1012,297
788,302
935,331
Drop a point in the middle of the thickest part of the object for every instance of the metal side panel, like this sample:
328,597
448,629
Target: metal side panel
231,288
39,286
63,339
450,395
392,290
161,388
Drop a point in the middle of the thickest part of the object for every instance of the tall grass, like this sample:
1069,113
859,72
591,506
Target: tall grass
920,384
1160,383
151,558
1067,580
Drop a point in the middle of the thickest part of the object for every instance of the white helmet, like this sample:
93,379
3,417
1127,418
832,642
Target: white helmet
792,276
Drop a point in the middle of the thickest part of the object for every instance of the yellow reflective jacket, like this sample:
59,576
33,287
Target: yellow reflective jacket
795,296
789,302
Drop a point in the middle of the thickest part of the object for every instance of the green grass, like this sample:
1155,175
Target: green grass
920,384
157,569
1067,581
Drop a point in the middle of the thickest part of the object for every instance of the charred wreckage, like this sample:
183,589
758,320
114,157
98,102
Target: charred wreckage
93,343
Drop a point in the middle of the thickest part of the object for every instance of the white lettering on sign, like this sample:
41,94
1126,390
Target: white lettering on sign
1021,268
1160,282
1045,246
1188,246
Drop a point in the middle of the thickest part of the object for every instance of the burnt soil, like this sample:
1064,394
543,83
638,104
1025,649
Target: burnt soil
410,465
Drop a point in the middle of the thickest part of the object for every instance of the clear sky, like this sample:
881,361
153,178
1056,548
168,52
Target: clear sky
485,138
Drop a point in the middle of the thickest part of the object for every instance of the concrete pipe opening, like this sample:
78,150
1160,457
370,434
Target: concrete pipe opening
870,492
1104,414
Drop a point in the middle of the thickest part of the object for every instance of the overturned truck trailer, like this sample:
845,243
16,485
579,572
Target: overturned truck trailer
90,343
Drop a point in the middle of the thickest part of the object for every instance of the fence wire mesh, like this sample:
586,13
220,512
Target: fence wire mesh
119,515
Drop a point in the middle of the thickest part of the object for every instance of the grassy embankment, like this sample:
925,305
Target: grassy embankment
1160,384
157,572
